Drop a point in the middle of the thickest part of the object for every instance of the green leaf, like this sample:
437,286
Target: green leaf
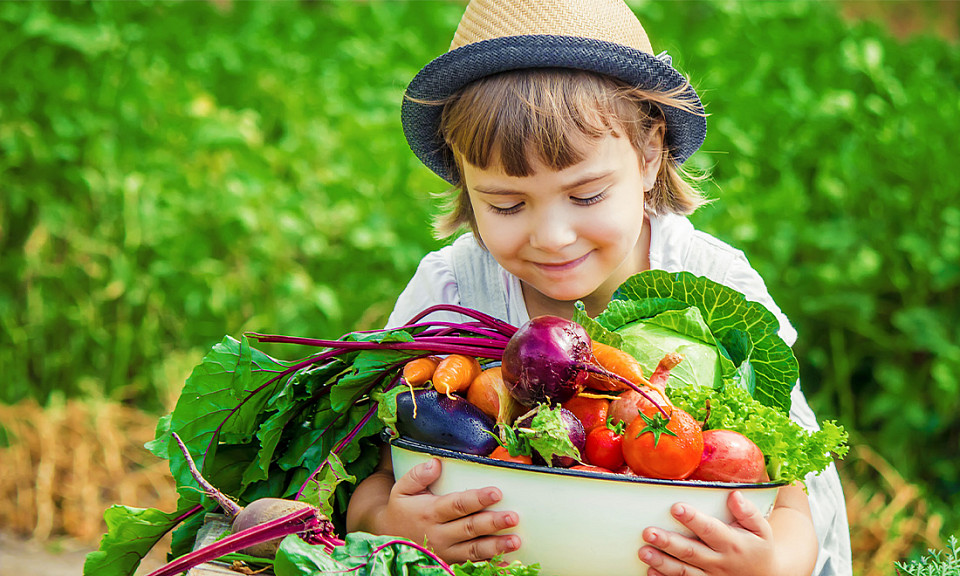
131,533
791,451
361,555
548,435
772,363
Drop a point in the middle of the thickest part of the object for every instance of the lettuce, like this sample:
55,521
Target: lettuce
791,451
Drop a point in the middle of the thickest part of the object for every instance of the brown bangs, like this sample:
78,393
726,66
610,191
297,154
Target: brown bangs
551,116
543,114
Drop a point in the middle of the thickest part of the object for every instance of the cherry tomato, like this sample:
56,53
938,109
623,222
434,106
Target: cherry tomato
604,446
591,412
657,447
501,453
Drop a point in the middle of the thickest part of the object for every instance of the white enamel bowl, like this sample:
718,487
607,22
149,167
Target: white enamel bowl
577,523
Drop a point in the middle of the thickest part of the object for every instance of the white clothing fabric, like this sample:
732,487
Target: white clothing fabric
465,274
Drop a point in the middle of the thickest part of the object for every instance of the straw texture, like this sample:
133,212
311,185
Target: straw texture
607,20
494,36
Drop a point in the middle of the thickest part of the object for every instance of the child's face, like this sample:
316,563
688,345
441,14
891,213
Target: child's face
571,234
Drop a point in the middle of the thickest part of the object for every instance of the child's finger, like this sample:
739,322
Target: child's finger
747,515
479,525
418,479
671,554
460,504
482,548
710,530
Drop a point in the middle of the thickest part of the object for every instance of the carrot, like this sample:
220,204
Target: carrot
618,362
455,373
419,370
490,394
502,453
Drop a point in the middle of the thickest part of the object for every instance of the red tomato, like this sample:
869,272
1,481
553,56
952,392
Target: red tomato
591,412
656,447
589,468
604,448
501,453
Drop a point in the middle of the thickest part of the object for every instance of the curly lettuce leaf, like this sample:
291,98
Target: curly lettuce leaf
791,451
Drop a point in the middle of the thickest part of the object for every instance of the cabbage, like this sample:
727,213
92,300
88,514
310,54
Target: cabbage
725,339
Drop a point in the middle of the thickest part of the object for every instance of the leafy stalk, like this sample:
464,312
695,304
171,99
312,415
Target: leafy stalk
306,521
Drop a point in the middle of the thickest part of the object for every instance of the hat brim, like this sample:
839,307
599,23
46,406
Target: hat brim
450,72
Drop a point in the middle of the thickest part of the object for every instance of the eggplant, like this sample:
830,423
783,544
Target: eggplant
445,422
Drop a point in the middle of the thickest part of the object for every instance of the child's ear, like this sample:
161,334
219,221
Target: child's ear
651,157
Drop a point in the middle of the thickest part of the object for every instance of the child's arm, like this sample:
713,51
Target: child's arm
455,526
784,543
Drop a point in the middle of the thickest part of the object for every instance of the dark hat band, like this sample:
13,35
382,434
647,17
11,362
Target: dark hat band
450,72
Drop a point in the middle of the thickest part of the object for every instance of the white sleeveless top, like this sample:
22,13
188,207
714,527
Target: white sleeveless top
467,275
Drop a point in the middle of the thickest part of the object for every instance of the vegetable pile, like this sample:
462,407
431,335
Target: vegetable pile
553,392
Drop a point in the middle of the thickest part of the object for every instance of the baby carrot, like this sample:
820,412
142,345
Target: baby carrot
455,373
419,370
618,362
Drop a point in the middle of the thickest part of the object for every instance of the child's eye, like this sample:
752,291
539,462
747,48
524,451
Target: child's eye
504,210
589,199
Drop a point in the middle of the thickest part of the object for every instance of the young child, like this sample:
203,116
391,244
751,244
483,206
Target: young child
563,136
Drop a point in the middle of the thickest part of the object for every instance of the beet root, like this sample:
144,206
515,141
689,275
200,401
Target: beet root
260,512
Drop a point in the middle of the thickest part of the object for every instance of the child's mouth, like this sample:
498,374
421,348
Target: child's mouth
556,267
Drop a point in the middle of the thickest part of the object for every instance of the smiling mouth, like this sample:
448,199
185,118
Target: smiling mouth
562,266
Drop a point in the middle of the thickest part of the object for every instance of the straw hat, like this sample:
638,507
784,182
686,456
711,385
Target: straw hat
602,36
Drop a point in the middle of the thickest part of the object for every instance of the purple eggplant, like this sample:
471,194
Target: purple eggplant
445,422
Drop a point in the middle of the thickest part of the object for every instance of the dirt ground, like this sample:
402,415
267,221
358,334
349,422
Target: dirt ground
62,558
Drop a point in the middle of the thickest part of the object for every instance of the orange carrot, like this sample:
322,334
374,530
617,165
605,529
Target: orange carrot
490,394
455,373
618,362
501,453
419,370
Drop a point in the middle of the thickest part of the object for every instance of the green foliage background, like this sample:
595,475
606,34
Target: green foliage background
174,172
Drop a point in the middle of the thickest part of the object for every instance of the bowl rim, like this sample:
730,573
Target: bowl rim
412,445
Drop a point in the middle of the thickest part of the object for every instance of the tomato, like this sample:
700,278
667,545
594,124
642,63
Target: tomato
656,447
501,453
604,446
590,468
591,412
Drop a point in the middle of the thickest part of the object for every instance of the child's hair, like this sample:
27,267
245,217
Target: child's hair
549,114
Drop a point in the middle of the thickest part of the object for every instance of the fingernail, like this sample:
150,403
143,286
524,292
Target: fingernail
678,510
492,496
650,537
510,519
430,466
512,543
646,555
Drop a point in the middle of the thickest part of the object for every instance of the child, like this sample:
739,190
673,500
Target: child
564,137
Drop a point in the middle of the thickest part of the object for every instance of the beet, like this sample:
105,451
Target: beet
544,362
574,430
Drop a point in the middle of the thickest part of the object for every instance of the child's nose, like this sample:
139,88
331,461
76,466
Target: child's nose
552,233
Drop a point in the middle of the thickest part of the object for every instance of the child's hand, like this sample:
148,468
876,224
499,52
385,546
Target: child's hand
745,547
456,526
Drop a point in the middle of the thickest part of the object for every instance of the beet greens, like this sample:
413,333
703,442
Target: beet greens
305,430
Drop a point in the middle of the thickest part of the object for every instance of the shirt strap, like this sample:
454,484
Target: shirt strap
478,277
